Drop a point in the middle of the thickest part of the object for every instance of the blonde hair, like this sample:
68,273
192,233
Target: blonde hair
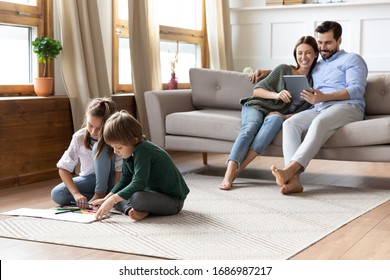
123,128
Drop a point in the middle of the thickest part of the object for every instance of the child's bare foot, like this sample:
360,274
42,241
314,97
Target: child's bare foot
137,216
225,185
292,186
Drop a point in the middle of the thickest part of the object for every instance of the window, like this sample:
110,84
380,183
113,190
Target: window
121,48
15,50
182,29
21,21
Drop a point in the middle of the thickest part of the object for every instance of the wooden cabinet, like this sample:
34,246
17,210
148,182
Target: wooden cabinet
34,133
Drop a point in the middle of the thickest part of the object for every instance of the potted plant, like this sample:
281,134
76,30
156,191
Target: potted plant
47,49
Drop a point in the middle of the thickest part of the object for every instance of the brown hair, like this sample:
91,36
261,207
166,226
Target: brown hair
102,108
327,26
309,40
123,128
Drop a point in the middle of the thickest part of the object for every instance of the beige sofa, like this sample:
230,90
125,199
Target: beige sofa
207,118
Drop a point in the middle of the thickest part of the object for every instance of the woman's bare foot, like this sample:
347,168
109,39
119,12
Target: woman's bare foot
226,185
137,216
230,175
292,186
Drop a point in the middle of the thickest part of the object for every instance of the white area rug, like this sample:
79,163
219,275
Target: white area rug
251,221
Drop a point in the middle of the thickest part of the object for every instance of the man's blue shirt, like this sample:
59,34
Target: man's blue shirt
341,71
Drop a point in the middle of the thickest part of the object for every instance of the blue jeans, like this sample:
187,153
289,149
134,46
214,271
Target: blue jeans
256,133
100,182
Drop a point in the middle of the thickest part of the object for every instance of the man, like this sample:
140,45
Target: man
340,80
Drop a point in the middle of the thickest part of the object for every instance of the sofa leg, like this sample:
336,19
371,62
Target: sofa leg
204,157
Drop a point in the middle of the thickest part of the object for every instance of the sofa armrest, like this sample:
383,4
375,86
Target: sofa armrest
161,103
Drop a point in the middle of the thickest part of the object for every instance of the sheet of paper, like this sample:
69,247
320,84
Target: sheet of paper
78,216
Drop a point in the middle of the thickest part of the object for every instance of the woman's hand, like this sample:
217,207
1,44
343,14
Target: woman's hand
104,208
284,95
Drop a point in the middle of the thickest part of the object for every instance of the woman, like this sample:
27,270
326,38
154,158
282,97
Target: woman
263,114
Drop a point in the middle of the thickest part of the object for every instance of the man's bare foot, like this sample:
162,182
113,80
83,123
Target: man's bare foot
293,186
226,185
281,176
137,216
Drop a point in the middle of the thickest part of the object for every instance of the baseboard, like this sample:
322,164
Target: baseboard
28,178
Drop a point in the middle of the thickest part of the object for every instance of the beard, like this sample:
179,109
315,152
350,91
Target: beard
327,54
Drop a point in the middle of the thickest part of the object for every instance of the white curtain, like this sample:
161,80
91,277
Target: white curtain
145,54
219,34
84,69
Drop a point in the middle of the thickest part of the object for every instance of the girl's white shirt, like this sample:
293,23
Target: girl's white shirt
77,151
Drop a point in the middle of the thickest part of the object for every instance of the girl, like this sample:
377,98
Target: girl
96,177
150,182
263,113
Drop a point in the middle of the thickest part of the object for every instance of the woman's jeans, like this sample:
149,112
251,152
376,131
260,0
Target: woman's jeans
256,133
100,182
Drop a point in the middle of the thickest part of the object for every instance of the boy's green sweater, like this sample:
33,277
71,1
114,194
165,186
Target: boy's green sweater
150,168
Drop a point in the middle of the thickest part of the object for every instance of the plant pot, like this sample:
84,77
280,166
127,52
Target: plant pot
43,86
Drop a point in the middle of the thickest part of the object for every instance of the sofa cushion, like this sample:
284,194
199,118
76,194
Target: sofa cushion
378,95
373,131
212,124
219,89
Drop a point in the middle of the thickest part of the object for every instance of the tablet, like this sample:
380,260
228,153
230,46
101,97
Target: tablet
295,84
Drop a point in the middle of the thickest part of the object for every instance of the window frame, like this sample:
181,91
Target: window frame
167,33
40,17
124,27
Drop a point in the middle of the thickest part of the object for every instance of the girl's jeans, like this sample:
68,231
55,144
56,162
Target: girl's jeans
100,182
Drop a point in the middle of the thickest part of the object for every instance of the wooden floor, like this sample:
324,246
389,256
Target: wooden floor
367,237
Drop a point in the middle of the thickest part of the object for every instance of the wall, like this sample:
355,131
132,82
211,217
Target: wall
264,36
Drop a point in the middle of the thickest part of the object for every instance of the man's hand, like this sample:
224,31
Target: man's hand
313,96
258,75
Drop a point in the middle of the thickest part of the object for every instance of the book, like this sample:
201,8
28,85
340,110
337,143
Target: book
294,2
274,2
79,216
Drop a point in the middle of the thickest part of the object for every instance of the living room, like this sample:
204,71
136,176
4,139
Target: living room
279,26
